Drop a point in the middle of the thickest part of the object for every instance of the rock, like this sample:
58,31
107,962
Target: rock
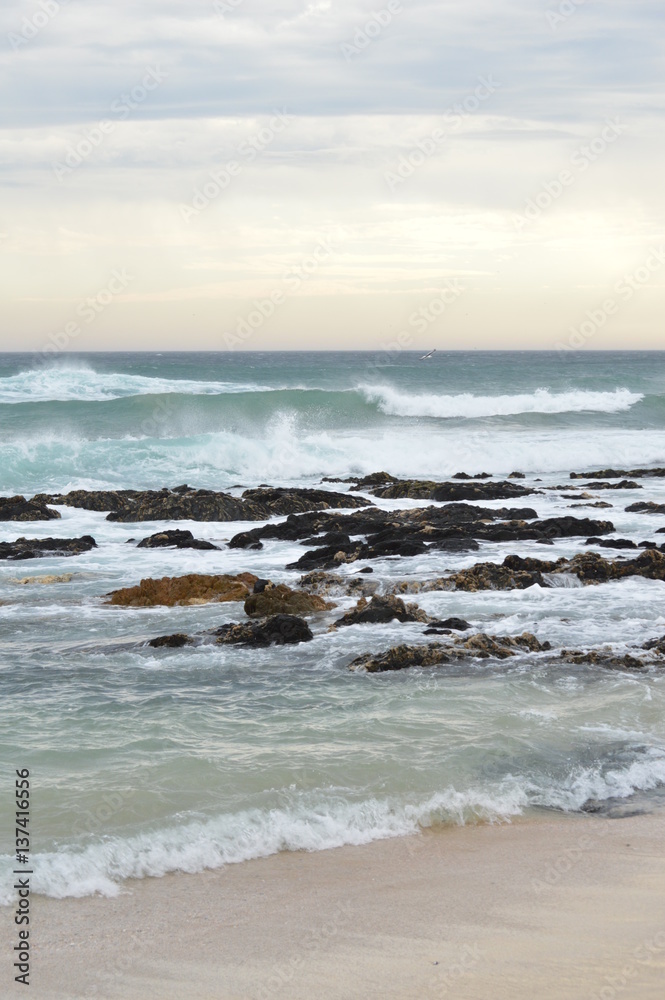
177,539
366,569
453,623
455,545
657,644
516,475
381,610
602,658
447,492
611,543
620,474
517,573
130,506
40,548
19,509
281,600
375,479
599,503
625,484
646,507
514,573
171,641
479,646
182,590
27,580
327,584
279,630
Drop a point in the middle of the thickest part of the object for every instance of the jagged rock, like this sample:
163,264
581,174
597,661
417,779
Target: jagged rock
646,507
416,489
517,573
620,474
19,509
412,532
279,630
281,600
657,644
514,573
39,548
381,610
171,641
372,481
182,590
176,538
625,484
602,658
129,506
479,646
516,475
326,584
611,543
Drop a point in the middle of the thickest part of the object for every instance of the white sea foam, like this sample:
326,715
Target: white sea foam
398,403
66,382
315,826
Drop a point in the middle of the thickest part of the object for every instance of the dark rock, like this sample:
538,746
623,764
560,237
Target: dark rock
171,641
130,506
366,569
646,507
381,610
517,573
281,600
260,586
516,475
375,479
456,545
19,509
611,543
279,630
620,474
453,623
179,539
598,503
478,646
625,484
338,539
39,548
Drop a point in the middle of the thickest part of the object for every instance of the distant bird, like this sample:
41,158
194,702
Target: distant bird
429,355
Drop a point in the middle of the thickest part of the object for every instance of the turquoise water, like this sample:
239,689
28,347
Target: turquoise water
146,761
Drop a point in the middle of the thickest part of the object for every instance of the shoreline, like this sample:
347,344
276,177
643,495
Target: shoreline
549,907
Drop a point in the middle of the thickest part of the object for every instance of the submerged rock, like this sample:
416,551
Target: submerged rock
182,590
279,630
171,641
278,599
620,474
479,646
381,610
40,548
179,539
19,509
49,578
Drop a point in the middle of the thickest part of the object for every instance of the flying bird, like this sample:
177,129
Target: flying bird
428,355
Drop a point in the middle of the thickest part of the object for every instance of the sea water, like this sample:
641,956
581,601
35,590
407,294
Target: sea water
147,761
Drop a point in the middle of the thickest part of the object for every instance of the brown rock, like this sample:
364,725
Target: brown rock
281,600
182,590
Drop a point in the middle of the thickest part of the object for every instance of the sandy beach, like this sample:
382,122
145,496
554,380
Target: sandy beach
550,908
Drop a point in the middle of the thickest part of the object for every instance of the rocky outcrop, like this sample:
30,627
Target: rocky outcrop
411,532
479,646
279,630
381,610
516,573
625,484
186,504
417,489
278,599
19,509
332,584
182,590
39,548
612,543
646,507
620,474
175,539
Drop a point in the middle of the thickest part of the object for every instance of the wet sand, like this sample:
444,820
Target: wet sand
549,908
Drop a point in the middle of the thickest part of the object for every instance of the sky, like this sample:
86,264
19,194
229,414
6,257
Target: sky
284,174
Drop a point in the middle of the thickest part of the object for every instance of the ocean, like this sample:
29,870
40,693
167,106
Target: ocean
146,761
